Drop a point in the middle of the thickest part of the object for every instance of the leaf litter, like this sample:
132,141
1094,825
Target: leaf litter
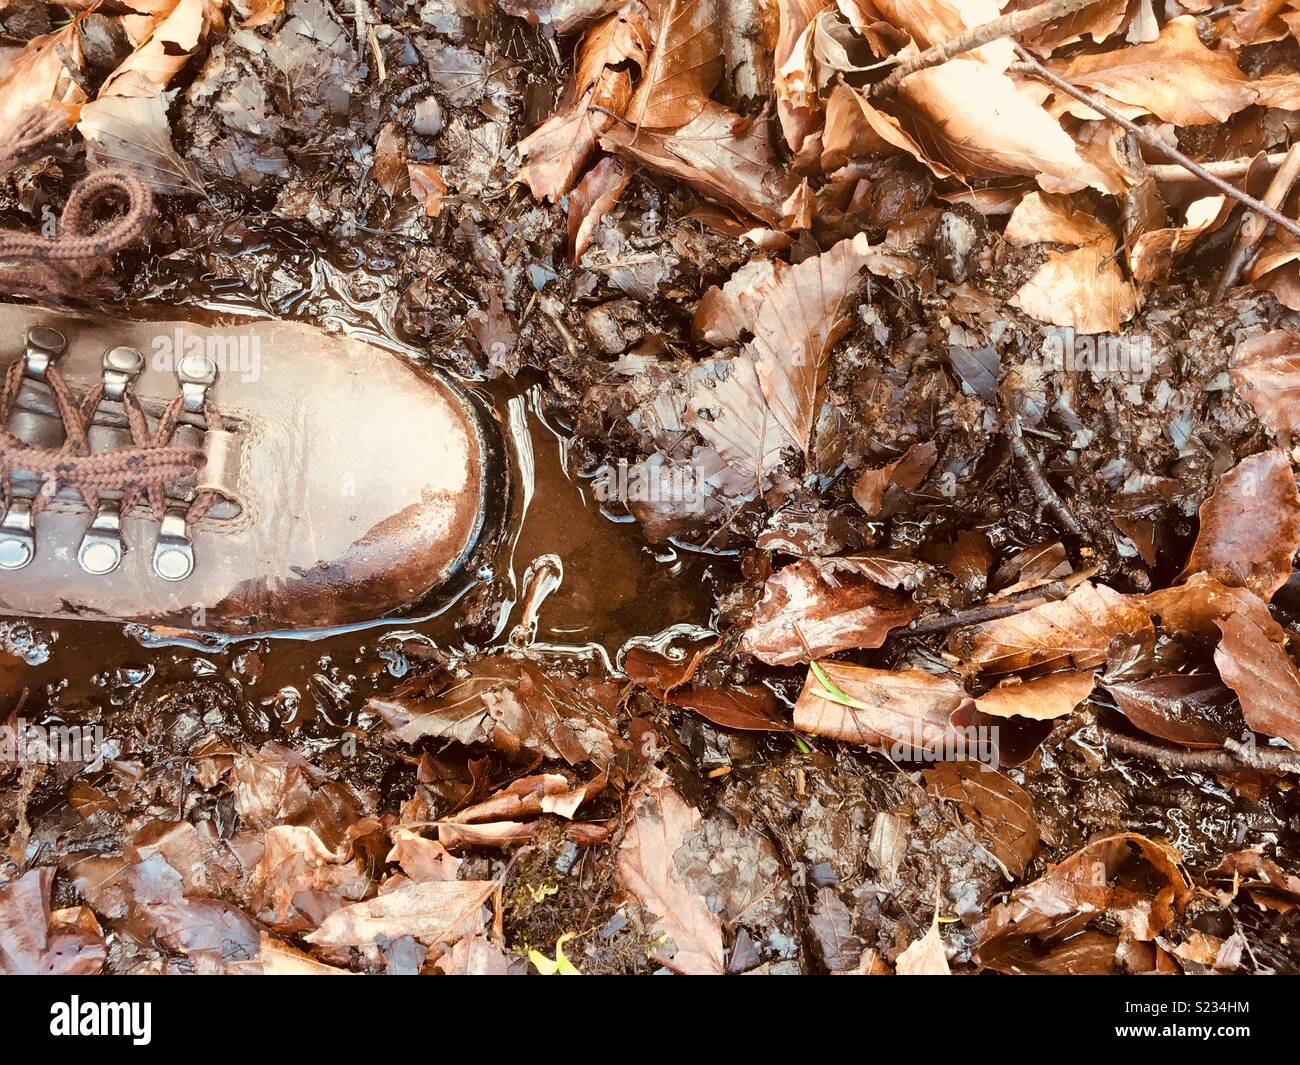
978,454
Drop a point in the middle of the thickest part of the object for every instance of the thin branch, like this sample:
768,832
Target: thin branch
1233,758
1253,227
1042,489
1148,138
978,36
1172,174
1031,598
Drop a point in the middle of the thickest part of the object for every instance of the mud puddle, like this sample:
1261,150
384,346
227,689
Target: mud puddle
612,587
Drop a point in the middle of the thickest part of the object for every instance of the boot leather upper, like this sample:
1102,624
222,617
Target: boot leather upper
352,483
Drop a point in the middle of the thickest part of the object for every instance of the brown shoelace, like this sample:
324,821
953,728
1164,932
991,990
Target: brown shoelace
144,469
152,462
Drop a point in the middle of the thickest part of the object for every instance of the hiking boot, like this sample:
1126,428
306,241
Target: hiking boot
245,479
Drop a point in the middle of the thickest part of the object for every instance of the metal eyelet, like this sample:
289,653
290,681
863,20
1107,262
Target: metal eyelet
17,536
196,373
173,557
101,548
42,347
122,365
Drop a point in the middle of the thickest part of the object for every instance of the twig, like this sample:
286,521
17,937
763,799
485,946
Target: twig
978,36
1148,138
1172,174
1253,227
1033,471
1232,758
1048,593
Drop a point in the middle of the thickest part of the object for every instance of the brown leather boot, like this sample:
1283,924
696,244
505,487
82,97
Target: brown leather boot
246,479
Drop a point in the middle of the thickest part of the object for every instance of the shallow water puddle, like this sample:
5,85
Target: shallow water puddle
612,588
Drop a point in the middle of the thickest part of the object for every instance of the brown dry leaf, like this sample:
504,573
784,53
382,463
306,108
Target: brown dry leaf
38,76
1040,218
857,129
1253,662
151,67
431,912
1266,370
725,312
800,317
1083,289
980,123
731,413
133,132
909,709
797,104
1073,632
1192,608
594,195
254,13
1191,709
931,22
750,709
997,808
1042,699
427,186
1139,882
621,38
556,152
33,942
661,821
1250,526
548,793
508,703
1174,77
684,67
422,859
1098,21
1262,877
807,611
299,880
1153,254
474,956
924,957
280,959
907,472
722,155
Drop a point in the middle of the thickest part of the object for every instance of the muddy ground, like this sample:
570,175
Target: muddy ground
810,854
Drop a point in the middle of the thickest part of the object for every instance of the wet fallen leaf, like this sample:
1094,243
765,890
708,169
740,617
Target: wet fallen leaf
1266,370
1194,710
594,195
1073,632
431,912
797,103
999,811
1253,662
532,796
1174,77
1250,526
906,472
908,709
508,703
1138,882
151,67
684,67
661,821
427,186
753,708
299,880
34,942
1083,289
1041,699
1154,253
979,123
857,129
807,612
422,859
133,132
